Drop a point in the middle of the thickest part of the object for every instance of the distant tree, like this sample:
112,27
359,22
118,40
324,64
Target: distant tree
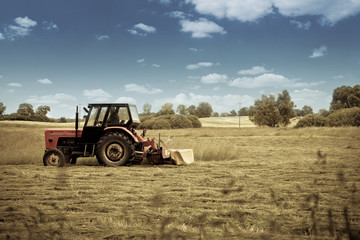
297,112
43,110
2,109
147,108
166,109
40,114
215,114
63,119
345,97
243,111
265,112
232,113
191,110
224,114
323,112
25,111
204,109
285,107
306,110
181,109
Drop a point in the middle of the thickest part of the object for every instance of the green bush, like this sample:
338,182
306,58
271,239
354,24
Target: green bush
180,121
194,121
144,117
345,117
161,123
338,118
147,124
169,121
312,120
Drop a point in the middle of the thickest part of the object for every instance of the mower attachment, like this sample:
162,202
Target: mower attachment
161,154
181,156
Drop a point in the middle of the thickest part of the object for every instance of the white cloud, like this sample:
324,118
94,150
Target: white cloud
102,37
140,60
195,50
145,28
315,98
134,32
142,89
2,37
301,25
45,81
12,32
142,29
177,14
319,52
248,10
331,12
22,29
15,85
126,100
199,65
213,78
256,70
98,95
50,25
270,80
155,65
25,22
57,98
201,28
252,10
338,77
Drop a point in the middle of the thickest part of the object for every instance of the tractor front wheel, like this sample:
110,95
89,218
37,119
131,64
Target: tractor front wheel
114,149
54,157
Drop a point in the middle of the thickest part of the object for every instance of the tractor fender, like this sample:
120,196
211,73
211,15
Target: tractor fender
122,129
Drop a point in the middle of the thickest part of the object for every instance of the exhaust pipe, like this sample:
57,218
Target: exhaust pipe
76,123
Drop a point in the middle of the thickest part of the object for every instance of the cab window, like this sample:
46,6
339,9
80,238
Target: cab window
92,117
100,121
123,115
97,122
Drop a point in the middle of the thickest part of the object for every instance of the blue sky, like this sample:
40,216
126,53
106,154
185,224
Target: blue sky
225,52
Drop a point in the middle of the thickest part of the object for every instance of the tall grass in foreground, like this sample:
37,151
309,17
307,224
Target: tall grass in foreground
230,211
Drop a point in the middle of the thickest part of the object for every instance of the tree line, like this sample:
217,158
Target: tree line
344,110
26,112
268,111
276,111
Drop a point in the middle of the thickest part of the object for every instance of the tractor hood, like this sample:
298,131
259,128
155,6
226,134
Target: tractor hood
52,136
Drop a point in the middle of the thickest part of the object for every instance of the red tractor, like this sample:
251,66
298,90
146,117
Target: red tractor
109,133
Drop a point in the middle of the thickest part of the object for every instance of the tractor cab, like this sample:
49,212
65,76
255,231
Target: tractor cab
102,116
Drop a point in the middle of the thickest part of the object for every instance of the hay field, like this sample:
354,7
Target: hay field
248,183
233,122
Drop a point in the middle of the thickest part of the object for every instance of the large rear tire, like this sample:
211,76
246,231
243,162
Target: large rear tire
115,149
54,157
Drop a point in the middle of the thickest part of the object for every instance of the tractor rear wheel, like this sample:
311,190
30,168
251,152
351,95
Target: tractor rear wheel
54,157
114,149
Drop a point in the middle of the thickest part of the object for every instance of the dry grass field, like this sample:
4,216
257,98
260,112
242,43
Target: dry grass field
233,122
247,183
